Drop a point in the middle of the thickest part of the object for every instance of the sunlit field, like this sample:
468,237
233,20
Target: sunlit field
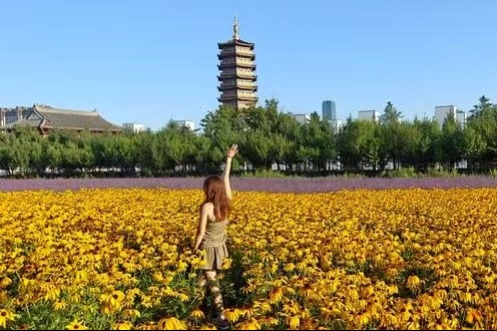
353,259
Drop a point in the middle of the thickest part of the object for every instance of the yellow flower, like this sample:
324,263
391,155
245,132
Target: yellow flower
293,322
276,295
147,326
131,313
289,267
59,305
197,313
363,319
264,307
75,325
4,282
5,316
251,324
122,326
183,297
116,298
233,315
413,282
3,296
330,256
158,276
473,316
270,321
181,266
171,324
227,263
52,293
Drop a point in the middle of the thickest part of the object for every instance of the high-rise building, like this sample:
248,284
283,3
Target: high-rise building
237,79
329,110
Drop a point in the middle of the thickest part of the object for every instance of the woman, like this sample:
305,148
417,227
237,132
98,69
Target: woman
211,233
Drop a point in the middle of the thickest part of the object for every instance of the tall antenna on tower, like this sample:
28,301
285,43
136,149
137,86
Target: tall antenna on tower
236,35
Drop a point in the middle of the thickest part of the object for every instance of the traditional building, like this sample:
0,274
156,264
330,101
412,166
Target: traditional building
47,118
237,79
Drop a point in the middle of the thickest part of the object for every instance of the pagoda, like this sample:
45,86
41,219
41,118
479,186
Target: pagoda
237,78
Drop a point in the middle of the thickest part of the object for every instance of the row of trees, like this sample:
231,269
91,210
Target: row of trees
267,137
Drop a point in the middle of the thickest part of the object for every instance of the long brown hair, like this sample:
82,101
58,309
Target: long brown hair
215,193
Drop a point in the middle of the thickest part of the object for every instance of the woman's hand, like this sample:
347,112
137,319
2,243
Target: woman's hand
232,151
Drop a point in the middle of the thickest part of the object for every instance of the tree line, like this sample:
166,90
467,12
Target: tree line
268,138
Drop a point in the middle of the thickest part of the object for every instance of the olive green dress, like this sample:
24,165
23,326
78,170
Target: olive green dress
214,244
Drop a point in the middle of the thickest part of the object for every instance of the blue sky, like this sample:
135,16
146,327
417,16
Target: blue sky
151,61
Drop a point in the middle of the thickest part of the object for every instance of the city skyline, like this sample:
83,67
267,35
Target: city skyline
157,61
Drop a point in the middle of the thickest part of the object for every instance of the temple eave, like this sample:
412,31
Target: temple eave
252,88
225,76
237,42
235,55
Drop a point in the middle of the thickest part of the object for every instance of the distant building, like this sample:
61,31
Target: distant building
336,125
237,79
329,112
302,118
369,115
461,117
443,112
46,118
188,124
134,127
11,115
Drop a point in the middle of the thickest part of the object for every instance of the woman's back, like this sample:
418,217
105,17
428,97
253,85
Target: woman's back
215,233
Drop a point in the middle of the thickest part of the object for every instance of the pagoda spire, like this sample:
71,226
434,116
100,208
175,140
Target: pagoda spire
236,36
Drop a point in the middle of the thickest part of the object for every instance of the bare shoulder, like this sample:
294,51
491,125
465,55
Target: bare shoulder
207,207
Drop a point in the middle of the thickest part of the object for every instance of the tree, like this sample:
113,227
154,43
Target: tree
257,148
485,124
483,106
474,147
223,128
144,143
348,144
452,142
427,150
390,114
289,129
317,140
391,134
369,144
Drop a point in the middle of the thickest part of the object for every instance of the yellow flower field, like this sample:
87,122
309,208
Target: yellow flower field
121,259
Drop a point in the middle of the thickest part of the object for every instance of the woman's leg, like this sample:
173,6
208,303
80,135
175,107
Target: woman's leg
213,285
202,279
202,291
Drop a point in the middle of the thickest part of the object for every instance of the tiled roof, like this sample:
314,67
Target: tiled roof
56,118
72,119
236,42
